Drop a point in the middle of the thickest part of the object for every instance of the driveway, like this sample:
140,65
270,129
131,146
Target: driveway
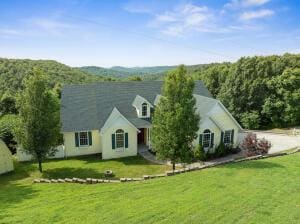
279,142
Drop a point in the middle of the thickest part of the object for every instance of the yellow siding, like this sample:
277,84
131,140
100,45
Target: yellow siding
108,152
72,150
6,161
222,118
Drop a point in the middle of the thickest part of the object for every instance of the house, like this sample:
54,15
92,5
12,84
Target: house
6,160
114,118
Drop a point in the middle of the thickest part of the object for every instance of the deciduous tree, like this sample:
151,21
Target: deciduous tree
175,121
38,129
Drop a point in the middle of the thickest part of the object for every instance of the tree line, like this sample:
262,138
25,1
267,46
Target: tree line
260,92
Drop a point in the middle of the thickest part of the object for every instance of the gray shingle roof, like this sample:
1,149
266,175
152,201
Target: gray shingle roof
87,107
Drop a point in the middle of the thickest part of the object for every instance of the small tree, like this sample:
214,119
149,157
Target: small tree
38,129
175,122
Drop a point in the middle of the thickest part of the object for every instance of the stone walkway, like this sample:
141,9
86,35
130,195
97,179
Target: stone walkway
143,151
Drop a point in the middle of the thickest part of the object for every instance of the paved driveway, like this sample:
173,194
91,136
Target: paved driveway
280,141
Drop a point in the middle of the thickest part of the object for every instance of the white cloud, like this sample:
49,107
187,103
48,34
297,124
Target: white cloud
236,4
249,15
183,19
50,25
10,32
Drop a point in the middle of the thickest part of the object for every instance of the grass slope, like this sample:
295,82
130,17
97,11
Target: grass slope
263,191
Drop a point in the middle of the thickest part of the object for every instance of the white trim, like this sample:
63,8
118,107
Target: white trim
209,146
115,112
138,99
120,148
147,112
88,139
232,118
216,123
231,140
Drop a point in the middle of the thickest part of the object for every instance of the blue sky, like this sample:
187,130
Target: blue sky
145,33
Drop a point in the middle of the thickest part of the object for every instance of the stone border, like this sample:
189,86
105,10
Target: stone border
166,174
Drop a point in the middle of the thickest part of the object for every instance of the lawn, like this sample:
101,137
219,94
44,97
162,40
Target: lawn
262,191
83,167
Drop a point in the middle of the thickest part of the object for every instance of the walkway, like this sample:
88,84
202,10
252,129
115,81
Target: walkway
143,151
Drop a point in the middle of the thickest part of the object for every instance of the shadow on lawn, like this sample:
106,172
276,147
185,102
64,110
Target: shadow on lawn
69,172
132,160
256,164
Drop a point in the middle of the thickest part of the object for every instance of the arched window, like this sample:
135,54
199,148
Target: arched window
144,109
120,138
206,141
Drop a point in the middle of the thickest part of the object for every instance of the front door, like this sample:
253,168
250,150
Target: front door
141,135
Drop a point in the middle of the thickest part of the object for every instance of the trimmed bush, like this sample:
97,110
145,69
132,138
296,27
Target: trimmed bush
199,153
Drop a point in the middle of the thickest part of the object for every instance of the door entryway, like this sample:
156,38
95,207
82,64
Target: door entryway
141,136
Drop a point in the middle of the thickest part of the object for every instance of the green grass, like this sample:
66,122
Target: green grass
262,191
83,167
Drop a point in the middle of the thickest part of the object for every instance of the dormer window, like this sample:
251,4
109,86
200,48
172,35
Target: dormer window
144,109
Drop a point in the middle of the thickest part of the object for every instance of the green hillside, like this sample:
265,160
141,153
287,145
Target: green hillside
124,72
12,72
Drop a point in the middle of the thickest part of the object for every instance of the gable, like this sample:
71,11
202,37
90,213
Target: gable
117,120
222,118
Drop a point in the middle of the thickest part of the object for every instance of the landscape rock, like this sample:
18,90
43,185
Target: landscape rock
68,180
89,180
146,177
169,173
160,175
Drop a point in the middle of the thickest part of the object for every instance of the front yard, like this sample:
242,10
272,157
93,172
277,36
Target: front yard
262,191
83,167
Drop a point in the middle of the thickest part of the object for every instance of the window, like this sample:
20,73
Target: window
83,139
227,137
119,138
144,109
206,139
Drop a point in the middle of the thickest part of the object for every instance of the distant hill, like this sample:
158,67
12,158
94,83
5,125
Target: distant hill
12,72
124,72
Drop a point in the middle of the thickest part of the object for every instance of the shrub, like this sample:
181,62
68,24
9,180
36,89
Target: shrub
220,150
254,146
263,145
199,153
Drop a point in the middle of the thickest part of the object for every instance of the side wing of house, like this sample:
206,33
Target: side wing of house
6,160
119,137
216,125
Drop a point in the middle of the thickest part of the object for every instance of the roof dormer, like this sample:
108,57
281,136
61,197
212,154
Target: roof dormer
142,106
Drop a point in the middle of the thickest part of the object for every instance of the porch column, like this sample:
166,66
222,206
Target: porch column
149,139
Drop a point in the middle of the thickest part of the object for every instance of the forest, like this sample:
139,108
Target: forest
260,92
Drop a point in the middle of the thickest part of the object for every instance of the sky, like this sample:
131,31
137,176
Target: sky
147,33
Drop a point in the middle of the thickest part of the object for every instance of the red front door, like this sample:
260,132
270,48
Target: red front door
141,136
